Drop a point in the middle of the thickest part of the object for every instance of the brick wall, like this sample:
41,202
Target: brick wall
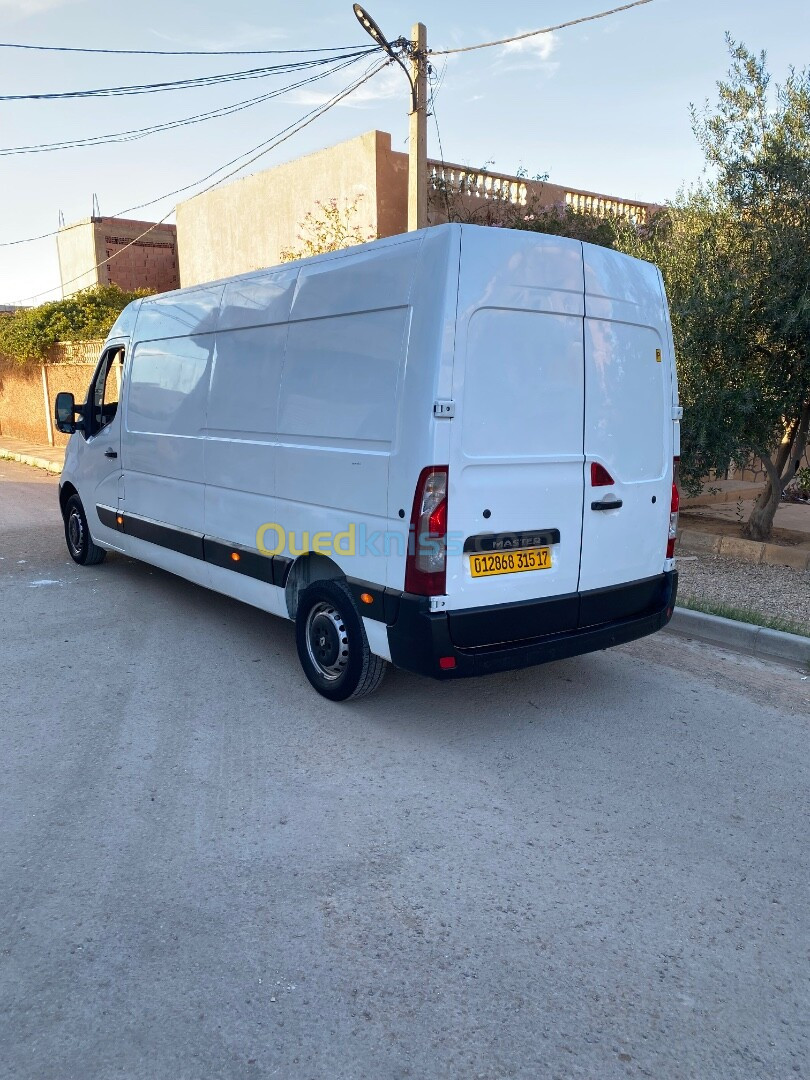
150,263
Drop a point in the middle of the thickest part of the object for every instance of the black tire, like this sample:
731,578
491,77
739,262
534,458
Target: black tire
77,535
332,644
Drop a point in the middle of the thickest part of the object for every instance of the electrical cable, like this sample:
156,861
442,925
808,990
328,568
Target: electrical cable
534,33
171,52
432,106
262,148
120,213
133,134
191,83
274,140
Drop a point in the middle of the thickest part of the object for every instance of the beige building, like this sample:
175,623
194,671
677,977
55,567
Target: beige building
246,225
150,262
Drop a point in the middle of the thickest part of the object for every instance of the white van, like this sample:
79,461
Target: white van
451,450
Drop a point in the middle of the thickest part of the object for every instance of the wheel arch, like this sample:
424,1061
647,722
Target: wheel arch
305,570
66,491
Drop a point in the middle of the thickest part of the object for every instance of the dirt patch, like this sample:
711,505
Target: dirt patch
703,521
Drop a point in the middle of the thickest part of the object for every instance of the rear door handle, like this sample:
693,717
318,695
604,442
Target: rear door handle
109,452
607,504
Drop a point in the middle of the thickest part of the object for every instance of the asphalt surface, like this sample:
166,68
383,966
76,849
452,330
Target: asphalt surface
594,869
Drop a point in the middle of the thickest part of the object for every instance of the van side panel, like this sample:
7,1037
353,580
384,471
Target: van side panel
241,444
346,346
164,417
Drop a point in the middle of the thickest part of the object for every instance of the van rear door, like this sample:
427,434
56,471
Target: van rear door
516,441
628,421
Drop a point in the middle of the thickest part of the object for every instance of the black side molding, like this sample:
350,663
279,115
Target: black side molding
272,569
186,543
248,562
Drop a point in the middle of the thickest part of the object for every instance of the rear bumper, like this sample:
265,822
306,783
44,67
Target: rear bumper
419,638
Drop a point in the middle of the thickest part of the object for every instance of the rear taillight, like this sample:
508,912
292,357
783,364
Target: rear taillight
426,564
674,506
600,477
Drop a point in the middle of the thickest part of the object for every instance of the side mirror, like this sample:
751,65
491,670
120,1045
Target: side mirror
65,414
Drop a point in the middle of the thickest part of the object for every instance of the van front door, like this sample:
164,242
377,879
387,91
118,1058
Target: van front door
99,464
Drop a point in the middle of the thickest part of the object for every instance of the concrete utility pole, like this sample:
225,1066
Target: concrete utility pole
417,143
418,79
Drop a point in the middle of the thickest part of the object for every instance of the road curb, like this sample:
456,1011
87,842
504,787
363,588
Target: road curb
759,640
753,551
28,459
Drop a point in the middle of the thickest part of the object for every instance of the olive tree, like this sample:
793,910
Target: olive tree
735,253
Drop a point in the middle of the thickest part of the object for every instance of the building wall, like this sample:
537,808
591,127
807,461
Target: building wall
245,225
76,248
149,263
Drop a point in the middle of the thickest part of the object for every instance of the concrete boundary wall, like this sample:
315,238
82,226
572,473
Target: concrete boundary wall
28,391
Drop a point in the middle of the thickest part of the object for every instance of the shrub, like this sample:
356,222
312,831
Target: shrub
27,334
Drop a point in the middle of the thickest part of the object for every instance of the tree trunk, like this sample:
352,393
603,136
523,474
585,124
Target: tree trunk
782,456
760,523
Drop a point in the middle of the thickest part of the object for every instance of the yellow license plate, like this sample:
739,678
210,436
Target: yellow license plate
510,562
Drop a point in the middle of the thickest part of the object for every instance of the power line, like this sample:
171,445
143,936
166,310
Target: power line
434,90
120,213
133,134
171,52
263,147
185,84
257,151
545,30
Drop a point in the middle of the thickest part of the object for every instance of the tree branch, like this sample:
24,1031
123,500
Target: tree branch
800,443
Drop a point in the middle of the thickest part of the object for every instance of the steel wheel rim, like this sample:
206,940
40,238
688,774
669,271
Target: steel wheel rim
75,532
327,641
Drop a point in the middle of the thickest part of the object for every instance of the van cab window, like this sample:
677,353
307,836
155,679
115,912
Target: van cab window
103,396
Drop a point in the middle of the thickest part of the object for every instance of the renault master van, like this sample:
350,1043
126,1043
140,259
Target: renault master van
452,450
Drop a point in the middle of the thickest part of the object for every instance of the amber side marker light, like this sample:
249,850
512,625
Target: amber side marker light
235,556
120,520
367,598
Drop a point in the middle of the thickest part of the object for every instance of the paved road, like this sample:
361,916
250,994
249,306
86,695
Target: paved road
594,869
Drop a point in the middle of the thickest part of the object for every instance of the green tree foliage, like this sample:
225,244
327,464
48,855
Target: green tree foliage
735,254
330,227
28,333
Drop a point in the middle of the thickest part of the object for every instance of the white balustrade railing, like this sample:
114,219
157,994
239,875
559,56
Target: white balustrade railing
600,206
478,184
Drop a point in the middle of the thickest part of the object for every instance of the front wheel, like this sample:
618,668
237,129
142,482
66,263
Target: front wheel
77,534
332,644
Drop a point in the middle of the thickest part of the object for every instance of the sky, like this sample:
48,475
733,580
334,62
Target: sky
602,106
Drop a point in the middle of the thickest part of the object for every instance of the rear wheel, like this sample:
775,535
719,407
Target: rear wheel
332,644
77,534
